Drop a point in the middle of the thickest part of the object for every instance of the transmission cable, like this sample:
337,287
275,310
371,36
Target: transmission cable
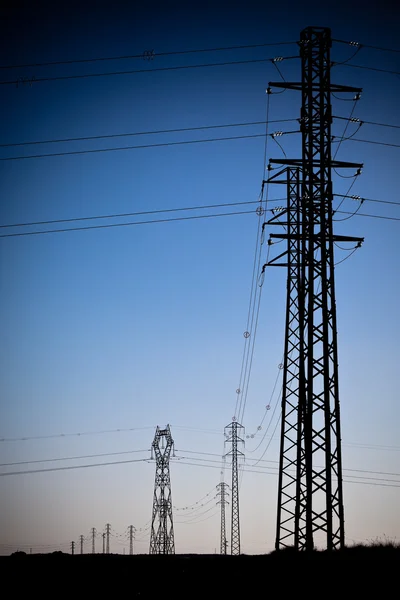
353,43
122,215
147,54
256,263
355,120
138,133
135,71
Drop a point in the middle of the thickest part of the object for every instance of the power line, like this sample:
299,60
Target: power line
374,142
167,210
147,54
160,145
165,144
132,214
138,133
117,462
351,43
265,472
8,235
78,434
135,71
360,198
367,68
153,221
362,121
191,429
30,462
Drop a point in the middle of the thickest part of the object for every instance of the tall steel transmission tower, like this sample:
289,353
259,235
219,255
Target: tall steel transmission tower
232,436
93,539
223,493
162,528
132,531
310,493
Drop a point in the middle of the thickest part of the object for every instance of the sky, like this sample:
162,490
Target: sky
112,331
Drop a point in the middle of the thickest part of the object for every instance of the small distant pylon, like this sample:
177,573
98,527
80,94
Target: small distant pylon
132,531
108,528
81,542
232,436
93,539
223,493
162,528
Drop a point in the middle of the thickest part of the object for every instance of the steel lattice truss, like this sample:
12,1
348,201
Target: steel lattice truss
231,433
162,529
223,493
310,495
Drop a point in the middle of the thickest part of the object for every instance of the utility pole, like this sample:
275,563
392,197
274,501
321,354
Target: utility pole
231,435
108,527
93,539
162,528
223,493
103,535
72,548
81,542
132,531
310,492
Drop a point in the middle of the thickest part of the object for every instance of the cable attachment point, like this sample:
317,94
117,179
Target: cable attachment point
357,96
276,134
148,55
277,59
358,172
268,90
246,334
260,211
357,44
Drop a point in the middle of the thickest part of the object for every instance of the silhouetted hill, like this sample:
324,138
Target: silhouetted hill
356,569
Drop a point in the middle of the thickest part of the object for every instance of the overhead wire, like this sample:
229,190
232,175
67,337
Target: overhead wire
35,80
124,215
124,148
250,333
363,121
130,223
170,144
353,43
143,55
138,133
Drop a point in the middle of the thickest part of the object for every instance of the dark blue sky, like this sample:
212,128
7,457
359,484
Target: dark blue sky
138,326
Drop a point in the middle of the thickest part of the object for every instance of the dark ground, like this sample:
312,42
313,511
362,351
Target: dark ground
367,571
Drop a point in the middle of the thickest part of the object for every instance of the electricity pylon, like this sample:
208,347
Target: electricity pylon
310,489
108,530
223,493
162,528
231,434
93,539
132,531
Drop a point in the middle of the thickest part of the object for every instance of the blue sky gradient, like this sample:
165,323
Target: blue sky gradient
131,327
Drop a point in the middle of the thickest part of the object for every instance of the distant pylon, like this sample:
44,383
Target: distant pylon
162,528
223,493
132,531
93,539
231,435
103,535
81,541
108,527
